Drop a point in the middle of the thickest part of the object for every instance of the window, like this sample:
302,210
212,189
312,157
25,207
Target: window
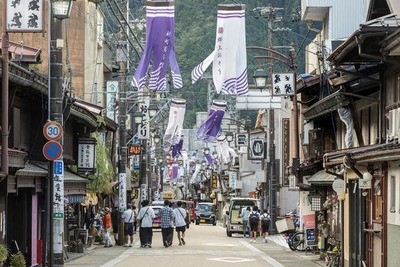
392,196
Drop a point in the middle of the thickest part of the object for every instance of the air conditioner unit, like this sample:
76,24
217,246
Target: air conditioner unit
393,125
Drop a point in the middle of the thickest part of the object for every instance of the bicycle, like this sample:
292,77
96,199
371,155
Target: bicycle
297,242
334,254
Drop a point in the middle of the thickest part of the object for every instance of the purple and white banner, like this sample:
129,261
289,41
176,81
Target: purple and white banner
211,127
229,57
173,132
160,48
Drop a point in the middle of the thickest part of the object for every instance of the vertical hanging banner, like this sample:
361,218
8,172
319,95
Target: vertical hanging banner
160,48
25,15
229,57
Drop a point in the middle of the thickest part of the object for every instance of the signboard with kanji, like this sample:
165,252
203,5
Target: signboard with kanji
112,90
214,180
143,128
232,179
285,150
283,84
58,189
25,15
86,155
122,191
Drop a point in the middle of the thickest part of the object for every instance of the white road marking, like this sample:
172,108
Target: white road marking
220,244
231,259
263,255
115,261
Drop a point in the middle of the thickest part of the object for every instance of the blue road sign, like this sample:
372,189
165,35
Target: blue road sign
52,150
58,167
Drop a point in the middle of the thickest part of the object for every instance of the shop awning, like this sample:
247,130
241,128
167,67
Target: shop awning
321,178
373,153
32,169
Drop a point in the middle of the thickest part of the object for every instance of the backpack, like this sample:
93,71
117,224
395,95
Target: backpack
253,218
265,219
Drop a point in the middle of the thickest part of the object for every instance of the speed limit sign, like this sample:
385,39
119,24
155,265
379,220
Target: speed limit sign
52,130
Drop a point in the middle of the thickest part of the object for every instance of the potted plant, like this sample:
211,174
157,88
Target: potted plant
18,260
3,253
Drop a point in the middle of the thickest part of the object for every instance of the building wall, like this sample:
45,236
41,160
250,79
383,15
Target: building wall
393,216
93,48
393,255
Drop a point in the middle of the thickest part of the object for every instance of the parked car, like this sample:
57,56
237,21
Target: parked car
157,218
206,213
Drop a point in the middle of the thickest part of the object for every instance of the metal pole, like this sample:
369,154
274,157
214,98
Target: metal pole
273,180
123,153
56,114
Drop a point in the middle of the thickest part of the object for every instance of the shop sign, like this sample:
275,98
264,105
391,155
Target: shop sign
86,155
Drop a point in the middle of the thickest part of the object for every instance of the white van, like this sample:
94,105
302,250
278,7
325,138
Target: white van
234,221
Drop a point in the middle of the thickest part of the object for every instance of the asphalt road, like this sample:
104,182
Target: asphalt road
206,246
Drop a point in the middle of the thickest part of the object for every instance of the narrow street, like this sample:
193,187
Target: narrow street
206,245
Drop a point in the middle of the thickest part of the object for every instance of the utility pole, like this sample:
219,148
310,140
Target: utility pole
123,151
56,114
270,13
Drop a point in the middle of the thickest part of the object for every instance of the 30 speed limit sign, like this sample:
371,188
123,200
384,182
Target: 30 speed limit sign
52,130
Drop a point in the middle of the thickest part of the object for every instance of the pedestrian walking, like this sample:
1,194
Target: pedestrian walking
265,222
245,216
167,220
127,216
145,221
107,227
254,221
114,222
180,223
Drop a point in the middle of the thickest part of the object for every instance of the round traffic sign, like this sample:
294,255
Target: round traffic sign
52,130
52,150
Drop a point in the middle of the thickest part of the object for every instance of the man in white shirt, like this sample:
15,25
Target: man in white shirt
145,221
128,216
180,223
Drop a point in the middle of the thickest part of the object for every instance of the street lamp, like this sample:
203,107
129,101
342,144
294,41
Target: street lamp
229,136
137,117
260,78
61,9
157,138
153,108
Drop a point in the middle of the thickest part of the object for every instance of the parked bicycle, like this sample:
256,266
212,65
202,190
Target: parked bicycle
333,254
298,242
